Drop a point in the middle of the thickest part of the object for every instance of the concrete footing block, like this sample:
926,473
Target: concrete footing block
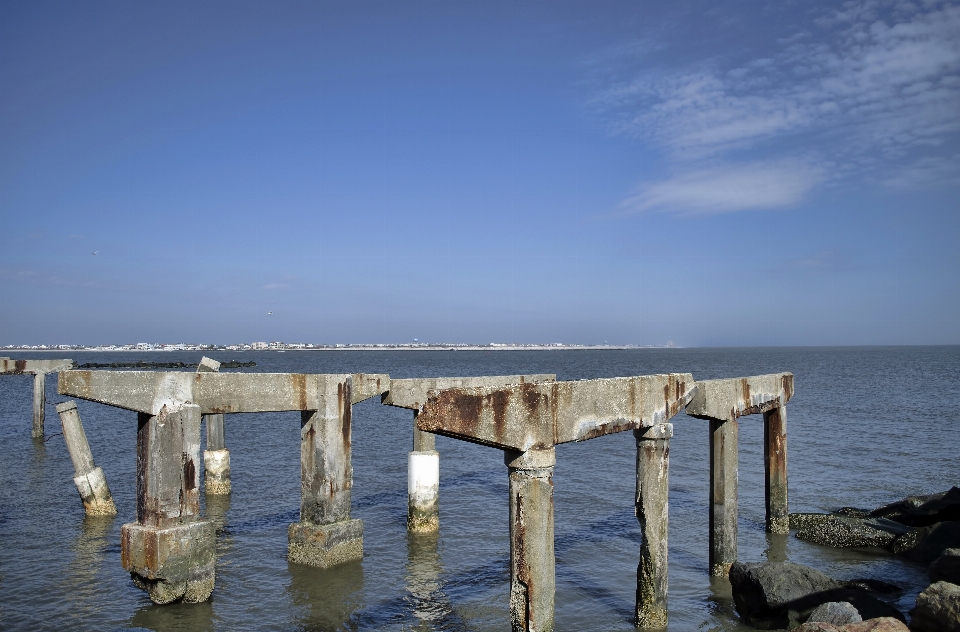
216,472
325,545
172,563
95,494
423,491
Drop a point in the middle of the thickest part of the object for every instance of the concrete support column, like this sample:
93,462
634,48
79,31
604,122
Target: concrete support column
532,562
89,479
325,535
216,458
39,401
775,468
169,551
423,483
653,487
723,496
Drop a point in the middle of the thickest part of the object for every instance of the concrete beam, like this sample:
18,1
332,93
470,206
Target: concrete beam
149,391
541,415
367,385
730,399
19,367
412,393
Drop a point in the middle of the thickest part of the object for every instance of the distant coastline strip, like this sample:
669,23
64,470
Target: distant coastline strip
160,365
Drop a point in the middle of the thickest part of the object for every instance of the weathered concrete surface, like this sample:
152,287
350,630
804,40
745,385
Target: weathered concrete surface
423,491
367,385
216,472
325,545
412,393
169,552
21,367
653,486
39,404
937,609
89,479
149,391
208,365
532,561
775,470
540,415
733,398
724,466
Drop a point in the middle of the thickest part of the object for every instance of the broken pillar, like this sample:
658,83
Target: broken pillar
722,403
423,463
532,561
775,470
423,483
653,487
326,535
39,369
169,551
89,479
216,458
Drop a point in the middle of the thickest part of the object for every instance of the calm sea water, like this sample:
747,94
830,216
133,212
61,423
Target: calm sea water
866,426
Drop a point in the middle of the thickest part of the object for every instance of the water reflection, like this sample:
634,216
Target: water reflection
81,582
428,604
175,616
776,550
325,598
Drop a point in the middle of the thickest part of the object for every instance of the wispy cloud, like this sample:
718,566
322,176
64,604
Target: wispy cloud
870,91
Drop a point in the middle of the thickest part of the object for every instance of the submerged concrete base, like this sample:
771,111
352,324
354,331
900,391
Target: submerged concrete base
423,491
95,494
172,563
216,472
325,545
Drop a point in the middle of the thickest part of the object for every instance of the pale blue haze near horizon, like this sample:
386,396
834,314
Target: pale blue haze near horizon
627,172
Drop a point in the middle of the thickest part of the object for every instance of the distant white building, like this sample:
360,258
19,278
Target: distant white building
257,346
144,346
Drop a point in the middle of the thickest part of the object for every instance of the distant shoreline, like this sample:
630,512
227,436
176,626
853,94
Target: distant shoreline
362,348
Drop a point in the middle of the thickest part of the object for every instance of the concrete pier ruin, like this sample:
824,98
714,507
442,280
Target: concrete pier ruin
722,403
527,421
89,479
170,549
39,370
423,462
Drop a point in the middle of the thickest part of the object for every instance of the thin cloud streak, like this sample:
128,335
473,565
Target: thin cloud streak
865,93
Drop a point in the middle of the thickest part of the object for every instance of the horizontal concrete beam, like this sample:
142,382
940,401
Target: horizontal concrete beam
20,367
541,415
412,393
150,391
732,398
367,385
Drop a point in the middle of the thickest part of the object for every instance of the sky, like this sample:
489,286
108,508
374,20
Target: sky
711,174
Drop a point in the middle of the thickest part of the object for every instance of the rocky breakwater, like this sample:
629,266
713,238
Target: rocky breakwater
778,595
922,529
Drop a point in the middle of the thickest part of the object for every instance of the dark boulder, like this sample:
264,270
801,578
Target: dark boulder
923,511
845,531
927,543
946,568
835,612
782,594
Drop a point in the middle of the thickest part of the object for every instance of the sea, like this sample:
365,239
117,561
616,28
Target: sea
866,426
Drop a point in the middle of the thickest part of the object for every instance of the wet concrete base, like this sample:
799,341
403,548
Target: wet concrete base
325,545
216,467
173,563
95,494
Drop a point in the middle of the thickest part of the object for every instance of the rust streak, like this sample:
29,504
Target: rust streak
298,381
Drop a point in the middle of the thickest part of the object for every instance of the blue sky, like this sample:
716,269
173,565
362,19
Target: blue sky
753,174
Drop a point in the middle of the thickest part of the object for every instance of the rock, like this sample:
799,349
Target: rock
923,511
780,594
873,585
927,543
852,512
937,609
946,567
883,624
836,612
844,531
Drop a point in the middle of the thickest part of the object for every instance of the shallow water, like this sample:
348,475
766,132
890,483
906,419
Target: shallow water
866,427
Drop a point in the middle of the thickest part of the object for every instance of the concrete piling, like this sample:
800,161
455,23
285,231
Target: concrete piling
775,470
723,495
423,483
89,479
326,535
532,561
653,486
39,401
216,458
169,551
